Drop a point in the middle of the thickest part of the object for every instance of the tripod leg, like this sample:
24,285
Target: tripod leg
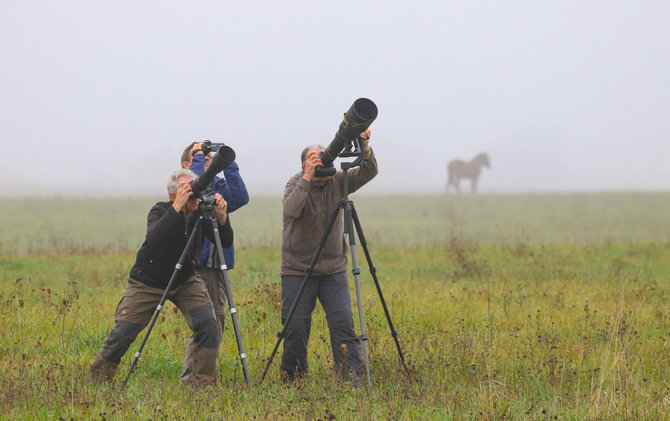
356,271
231,303
177,268
308,274
373,271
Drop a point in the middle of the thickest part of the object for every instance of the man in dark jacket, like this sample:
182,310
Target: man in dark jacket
169,225
235,193
308,203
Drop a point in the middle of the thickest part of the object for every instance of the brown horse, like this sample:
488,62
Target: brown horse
458,169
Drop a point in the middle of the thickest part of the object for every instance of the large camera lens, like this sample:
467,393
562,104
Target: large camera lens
356,120
221,160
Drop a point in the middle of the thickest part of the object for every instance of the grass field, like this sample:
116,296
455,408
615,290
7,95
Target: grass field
507,307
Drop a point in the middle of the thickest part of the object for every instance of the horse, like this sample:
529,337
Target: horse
459,169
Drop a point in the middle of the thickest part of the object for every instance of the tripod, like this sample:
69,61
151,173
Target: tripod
350,220
206,207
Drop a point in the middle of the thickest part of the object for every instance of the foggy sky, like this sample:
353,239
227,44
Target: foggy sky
102,97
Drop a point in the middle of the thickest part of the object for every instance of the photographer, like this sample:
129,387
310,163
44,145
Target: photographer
169,225
235,193
308,202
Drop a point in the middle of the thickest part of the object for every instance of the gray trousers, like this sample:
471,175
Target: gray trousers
217,292
134,312
333,293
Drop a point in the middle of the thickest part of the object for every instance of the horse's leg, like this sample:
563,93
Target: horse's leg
449,178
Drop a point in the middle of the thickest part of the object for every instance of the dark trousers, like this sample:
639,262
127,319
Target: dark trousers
134,312
217,291
333,293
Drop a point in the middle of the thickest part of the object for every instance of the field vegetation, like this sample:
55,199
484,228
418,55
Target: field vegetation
507,307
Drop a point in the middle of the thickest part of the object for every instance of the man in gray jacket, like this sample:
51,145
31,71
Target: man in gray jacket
308,203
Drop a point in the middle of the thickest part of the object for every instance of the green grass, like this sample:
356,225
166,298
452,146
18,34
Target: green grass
102,226
519,307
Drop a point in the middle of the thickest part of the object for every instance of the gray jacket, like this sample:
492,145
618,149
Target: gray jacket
307,208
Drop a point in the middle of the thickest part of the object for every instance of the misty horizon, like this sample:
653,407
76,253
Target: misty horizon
101,99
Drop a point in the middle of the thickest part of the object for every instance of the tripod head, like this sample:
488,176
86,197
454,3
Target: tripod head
352,148
207,198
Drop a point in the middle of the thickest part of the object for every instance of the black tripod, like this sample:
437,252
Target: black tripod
350,220
206,207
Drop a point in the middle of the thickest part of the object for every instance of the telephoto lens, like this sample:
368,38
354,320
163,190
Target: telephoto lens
356,120
221,160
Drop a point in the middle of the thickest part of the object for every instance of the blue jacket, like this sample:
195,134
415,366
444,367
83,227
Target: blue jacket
234,192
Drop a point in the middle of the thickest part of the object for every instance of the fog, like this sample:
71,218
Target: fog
101,98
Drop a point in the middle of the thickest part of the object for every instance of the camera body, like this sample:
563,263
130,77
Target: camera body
210,147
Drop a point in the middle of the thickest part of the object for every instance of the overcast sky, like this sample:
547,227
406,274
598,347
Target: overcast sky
102,97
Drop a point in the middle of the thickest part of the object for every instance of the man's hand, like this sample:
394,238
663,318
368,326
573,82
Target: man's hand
220,209
365,136
313,161
184,191
196,149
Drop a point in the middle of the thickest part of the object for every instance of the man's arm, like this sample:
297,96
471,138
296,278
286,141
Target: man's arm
198,164
238,195
362,174
295,196
225,232
163,223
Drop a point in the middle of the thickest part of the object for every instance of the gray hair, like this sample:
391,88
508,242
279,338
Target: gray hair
173,182
303,155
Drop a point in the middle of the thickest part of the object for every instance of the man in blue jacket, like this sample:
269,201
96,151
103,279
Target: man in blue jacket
169,225
234,192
